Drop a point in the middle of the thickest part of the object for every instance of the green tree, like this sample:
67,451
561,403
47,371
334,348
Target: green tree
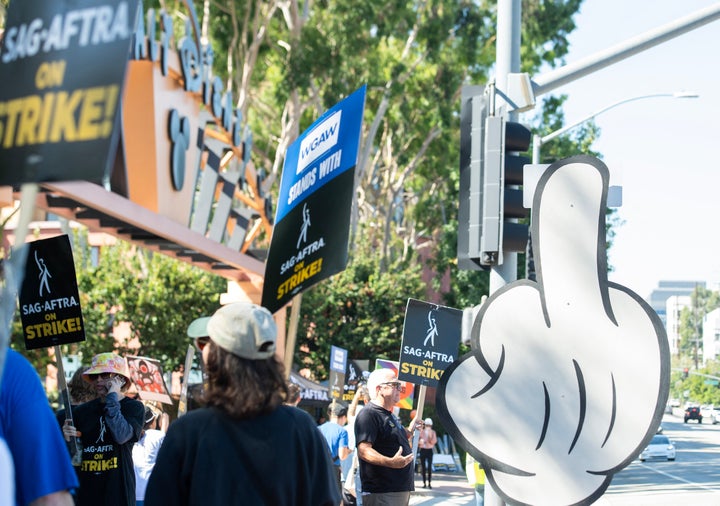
360,309
702,301
289,61
157,296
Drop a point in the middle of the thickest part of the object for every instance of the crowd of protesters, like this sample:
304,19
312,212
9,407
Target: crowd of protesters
226,451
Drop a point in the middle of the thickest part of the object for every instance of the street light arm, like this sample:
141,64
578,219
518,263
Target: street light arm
538,141
566,128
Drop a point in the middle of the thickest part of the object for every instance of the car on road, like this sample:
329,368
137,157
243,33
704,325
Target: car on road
660,447
710,412
693,413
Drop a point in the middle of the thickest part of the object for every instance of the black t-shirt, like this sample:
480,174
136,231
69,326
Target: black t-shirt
106,474
278,459
378,426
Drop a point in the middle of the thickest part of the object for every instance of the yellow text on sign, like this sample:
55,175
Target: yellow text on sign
302,273
53,328
80,115
421,371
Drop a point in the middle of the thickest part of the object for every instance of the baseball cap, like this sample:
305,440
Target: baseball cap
198,327
428,421
242,328
107,362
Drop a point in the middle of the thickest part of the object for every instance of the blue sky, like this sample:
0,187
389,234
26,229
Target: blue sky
662,151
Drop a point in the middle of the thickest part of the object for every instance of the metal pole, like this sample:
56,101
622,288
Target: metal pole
537,142
507,60
598,61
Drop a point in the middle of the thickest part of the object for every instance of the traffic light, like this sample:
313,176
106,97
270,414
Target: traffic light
490,171
473,110
503,169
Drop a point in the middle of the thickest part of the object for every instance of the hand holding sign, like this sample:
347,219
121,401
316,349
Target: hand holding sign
568,377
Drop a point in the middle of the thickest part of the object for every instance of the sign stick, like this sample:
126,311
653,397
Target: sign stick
14,267
182,404
76,446
292,334
418,416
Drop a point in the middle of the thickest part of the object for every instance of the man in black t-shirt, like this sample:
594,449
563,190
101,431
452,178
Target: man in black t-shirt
385,454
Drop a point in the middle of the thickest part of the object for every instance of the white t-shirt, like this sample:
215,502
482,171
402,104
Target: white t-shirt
7,475
144,455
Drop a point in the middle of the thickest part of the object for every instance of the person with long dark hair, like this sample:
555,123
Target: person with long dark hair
245,446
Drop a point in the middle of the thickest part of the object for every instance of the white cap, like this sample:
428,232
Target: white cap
198,327
428,421
242,328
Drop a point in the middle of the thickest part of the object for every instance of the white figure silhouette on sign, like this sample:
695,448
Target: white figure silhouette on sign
304,227
44,274
567,349
432,330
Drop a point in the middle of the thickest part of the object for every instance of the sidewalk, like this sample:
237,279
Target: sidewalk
448,488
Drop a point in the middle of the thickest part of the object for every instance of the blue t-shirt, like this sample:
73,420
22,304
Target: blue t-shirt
336,437
28,425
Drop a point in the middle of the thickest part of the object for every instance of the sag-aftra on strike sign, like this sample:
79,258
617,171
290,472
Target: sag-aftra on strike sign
63,64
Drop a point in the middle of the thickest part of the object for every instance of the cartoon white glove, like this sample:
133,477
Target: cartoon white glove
568,377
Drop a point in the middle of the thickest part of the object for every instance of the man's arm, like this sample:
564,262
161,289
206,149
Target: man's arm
352,409
372,456
119,427
415,424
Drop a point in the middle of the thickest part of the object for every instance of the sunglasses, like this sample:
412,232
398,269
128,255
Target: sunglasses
394,385
102,375
201,342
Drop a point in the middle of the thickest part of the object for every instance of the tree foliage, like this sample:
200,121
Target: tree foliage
702,301
360,309
155,296
287,62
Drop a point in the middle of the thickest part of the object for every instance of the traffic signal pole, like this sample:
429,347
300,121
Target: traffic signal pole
507,61
555,78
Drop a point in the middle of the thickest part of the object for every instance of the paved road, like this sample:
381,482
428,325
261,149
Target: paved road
693,479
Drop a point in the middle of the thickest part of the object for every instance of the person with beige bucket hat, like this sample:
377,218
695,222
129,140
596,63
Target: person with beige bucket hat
108,427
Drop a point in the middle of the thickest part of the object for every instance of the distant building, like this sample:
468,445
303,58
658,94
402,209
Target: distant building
673,307
668,300
711,335
666,289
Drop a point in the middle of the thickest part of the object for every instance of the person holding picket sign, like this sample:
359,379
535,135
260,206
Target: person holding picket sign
108,426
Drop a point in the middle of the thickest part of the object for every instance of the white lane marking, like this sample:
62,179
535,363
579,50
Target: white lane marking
673,477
